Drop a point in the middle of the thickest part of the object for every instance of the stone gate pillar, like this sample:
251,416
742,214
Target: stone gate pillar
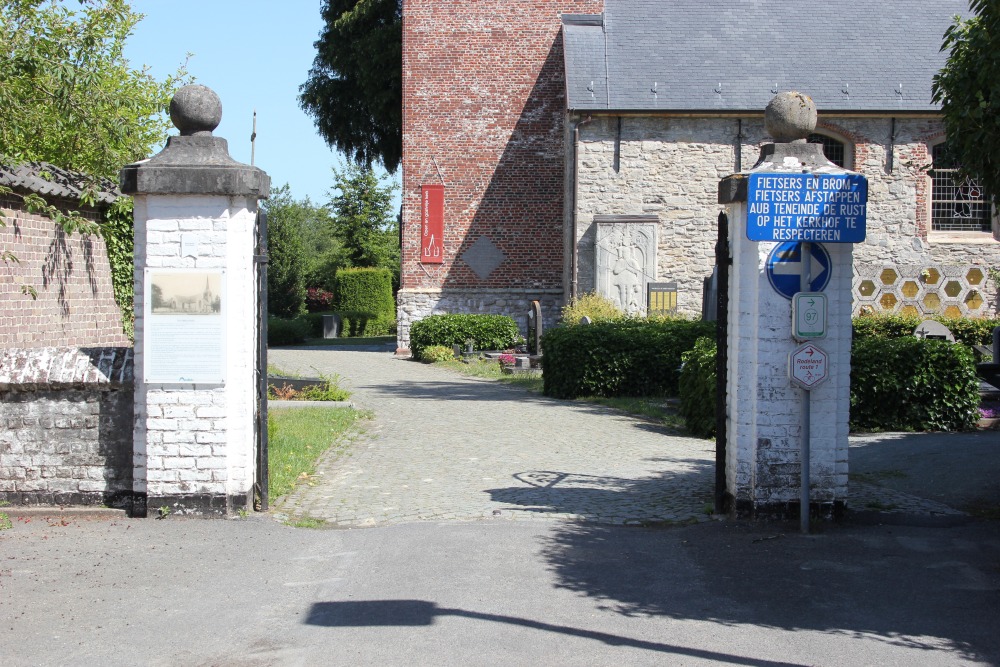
793,213
195,317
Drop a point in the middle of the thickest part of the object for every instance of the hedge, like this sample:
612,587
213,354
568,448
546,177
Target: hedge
487,332
281,331
633,357
364,300
904,384
697,388
967,330
897,384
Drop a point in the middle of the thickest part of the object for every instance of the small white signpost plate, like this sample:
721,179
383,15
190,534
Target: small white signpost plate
808,315
808,366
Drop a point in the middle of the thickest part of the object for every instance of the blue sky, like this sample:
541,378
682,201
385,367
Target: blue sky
254,54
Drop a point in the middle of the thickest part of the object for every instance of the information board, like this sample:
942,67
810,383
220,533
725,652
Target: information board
185,332
825,208
431,224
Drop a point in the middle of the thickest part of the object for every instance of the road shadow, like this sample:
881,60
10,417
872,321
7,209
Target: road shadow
926,589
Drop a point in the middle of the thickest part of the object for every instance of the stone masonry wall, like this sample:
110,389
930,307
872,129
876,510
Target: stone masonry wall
413,305
66,418
71,276
670,167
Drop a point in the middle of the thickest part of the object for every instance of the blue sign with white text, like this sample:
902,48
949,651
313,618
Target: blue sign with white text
784,269
825,208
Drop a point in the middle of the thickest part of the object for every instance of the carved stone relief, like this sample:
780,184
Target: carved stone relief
626,261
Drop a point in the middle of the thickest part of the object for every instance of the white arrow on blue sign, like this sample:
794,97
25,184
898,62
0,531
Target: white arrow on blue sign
784,268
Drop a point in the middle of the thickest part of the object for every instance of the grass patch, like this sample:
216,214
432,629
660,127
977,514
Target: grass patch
349,342
5,523
877,476
657,408
297,437
490,370
983,509
306,522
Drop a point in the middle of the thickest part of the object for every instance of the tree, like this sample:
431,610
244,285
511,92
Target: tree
286,291
68,95
354,91
363,220
968,89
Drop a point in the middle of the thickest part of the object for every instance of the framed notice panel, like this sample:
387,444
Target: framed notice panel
184,331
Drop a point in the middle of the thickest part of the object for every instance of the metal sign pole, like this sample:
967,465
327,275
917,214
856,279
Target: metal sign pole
805,260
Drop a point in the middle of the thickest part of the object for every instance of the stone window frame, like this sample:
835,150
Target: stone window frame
940,236
846,145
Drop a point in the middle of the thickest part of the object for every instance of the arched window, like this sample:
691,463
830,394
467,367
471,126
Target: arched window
834,149
958,204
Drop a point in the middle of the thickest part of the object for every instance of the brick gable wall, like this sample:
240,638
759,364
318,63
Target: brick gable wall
483,114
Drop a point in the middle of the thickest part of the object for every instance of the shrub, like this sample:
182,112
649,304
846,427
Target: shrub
630,357
697,388
437,353
911,384
487,332
967,330
318,300
598,308
365,290
282,331
365,302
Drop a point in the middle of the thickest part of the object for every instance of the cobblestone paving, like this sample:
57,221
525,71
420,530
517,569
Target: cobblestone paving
446,447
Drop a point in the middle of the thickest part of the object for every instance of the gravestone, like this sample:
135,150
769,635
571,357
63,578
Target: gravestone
934,330
625,263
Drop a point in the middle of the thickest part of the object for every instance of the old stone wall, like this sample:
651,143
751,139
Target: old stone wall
70,274
485,120
670,167
66,417
413,305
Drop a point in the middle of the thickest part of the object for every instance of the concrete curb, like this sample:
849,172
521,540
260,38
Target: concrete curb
74,512
311,404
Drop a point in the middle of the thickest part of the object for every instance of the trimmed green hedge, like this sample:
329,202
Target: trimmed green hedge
364,301
897,384
488,332
970,331
633,357
697,388
904,384
281,331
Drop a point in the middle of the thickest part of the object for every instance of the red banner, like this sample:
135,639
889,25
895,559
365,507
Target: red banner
431,224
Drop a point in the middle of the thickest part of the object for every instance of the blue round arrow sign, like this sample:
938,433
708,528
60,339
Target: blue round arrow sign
784,268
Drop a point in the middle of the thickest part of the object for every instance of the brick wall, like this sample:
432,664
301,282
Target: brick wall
66,418
75,303
483,111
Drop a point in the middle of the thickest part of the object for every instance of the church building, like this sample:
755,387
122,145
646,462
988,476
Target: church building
557,147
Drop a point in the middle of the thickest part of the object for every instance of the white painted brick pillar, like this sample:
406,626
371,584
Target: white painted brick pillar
195,213
764,411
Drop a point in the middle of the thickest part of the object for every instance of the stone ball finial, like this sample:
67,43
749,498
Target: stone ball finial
790,117
195,110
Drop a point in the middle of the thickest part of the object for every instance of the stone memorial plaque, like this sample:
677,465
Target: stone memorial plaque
185,327
626,261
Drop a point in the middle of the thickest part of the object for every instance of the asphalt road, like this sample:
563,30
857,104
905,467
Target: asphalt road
495,592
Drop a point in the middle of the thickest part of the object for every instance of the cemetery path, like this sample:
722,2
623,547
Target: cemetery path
442,447
447,447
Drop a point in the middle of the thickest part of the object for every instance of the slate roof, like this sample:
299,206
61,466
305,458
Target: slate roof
733,55
49,180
